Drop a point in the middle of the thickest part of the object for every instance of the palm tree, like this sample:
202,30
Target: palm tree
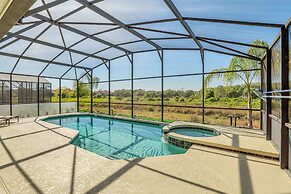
95,81
85,88
237,64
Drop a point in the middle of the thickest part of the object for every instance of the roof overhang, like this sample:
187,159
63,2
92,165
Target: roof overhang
11,12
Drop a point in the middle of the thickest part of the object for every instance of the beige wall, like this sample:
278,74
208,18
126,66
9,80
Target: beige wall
10,13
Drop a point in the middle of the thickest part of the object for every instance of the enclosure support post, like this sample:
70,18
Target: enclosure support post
60,96
132,105
10,96
268,100
2,92
261,101
162,85
78,99
203,87
284,101
91,91
38,96
109,89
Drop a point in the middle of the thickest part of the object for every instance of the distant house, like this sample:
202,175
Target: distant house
24,89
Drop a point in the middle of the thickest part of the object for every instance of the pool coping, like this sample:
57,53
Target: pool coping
105,116
184,141
42,119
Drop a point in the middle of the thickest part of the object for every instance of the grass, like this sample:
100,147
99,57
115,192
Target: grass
222,102
212,116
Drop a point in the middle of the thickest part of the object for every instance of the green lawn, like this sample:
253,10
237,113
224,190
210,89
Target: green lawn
223,102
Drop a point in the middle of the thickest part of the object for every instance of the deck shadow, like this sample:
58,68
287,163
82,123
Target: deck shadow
136,162
114,176
246,185
23,173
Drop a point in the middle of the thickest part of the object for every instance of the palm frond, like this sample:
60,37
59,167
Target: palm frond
215,74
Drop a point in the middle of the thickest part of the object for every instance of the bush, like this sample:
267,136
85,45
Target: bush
181,100
166,99
151,109
150,99
212,99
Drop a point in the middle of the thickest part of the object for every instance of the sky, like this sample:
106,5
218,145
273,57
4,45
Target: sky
145,64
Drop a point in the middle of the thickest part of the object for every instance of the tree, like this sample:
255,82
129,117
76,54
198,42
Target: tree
209,94
237,64
84,89
84,85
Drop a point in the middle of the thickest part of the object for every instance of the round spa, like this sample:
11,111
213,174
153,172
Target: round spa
195,132
185,136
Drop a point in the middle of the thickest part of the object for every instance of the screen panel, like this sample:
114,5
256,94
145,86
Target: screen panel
89,46
233,32
182,62
89,62
4,94
4,91
53,70
183,98
101,98
276,77
63,9
120,69
137,46
17,47
7,64
84,97
53,36
101,73
110,53
245,10
28,67
50,104
24,96
147,98
220,117
121,98
117,36
236,95
146,64
177,43
36,31
142,11
69,96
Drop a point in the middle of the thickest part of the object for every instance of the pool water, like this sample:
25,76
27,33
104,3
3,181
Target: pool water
195,132
117,139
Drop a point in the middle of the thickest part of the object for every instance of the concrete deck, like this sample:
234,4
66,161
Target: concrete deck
37,158
235,139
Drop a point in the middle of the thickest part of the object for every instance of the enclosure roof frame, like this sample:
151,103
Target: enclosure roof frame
130,28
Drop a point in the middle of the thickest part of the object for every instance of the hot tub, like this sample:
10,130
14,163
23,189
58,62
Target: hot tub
195,132
184,135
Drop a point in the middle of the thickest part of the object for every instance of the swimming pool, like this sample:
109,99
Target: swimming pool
116,138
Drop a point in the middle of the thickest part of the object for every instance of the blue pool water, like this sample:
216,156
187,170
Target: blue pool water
117,139
195,132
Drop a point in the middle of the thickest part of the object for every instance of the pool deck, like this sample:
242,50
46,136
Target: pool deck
36,157
234,139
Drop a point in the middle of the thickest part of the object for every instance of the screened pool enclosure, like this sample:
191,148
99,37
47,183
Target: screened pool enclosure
158,60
